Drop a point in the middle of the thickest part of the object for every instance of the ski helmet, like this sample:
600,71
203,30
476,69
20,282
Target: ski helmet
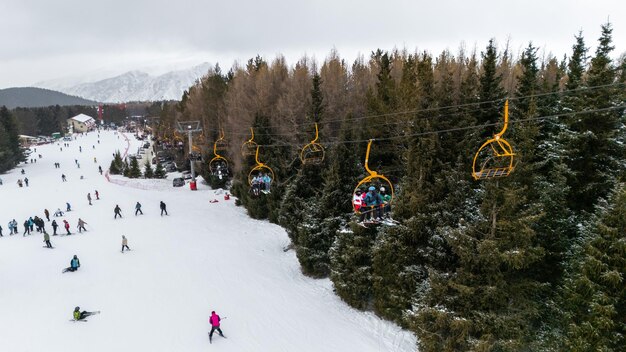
382,189
372,188
77,309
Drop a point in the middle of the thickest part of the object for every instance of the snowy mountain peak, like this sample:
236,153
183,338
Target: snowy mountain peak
133,85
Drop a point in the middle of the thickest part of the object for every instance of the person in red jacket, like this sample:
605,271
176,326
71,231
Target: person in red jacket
215,325
67,227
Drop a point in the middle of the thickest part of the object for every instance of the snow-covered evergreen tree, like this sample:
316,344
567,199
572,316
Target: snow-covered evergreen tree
148,172
594,291
159,171
134,171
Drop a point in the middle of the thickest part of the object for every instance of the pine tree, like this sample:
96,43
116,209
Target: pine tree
10,148
301,208
148,172
159,171
351,263
126,168
117,165
594,148
489,302
491,90
263,206
381,102
6,162
594,291
331,210
135,171
577,63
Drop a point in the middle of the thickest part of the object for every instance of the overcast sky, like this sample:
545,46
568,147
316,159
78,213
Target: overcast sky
50,39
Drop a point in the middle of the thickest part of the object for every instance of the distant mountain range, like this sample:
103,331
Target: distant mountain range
31,97
133,86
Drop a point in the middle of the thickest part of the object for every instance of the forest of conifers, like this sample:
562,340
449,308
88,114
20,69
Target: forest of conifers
535,261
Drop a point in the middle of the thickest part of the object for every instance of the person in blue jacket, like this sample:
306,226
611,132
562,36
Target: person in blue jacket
74,265
373,200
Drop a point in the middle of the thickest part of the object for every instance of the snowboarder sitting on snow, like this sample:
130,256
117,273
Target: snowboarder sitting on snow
74,265
118,211
215,325
58,212
19,182
78,315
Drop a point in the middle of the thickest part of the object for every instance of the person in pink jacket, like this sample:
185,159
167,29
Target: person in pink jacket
215,325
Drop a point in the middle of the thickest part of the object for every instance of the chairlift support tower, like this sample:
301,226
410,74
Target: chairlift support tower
190,127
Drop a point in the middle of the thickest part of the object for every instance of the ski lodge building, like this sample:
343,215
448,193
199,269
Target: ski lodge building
81,123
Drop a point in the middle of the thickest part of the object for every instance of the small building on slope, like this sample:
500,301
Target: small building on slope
81,123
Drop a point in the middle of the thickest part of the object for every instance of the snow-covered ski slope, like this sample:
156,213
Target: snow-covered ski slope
158,297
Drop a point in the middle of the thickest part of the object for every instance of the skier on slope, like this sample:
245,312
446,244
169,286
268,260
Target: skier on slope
78,315
89,198
97,195
138,209
46,238
68,206
26,228
118,211
39,223
163,208
124,243
67,227
54,227
12,227
47,214
215,325
81,225
74,265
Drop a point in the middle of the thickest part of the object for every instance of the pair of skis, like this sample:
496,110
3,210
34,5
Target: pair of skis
386,221
211,338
